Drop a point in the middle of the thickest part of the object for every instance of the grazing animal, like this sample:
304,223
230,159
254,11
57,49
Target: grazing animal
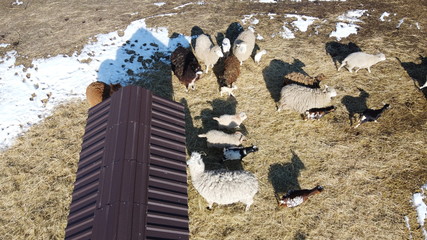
231,71
98,91
258,56
318,113
185,67
244,45
361,60
301,98
295,197
226,46
228,90
206,52
371,115
228,121
299,78
425,84
237,153
222,186
219,139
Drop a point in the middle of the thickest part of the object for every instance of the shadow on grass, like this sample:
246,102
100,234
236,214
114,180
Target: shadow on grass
418,72
339,51
355,104
273,75
284,176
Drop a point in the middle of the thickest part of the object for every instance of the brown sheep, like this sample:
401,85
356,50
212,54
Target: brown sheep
301,79
185,67
97,92
231,71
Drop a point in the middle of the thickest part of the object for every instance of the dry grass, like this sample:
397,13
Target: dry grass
369,173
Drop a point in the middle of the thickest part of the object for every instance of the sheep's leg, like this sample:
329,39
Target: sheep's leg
342,65
357,70
350,69
248,203
369,69
207,67
210,204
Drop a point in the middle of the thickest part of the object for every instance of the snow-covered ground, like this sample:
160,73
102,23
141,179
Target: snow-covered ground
28,95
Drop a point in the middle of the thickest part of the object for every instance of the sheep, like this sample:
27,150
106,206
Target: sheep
222,186
318,113
295,197
231,71
186,67
299,78
228,90
244,45
206,52
258,56
371,115
301,98
226,45
361,60
237,153
228,121
98,91
219,139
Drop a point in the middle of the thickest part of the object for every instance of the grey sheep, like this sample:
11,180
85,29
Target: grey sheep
301,98
244,45
206,52
219,139
361,60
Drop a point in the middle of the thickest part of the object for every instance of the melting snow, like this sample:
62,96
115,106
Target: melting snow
159,4
421,208
302,21
385,14
347,26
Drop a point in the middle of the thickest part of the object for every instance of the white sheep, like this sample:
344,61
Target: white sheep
222,186
226,45
219,139
228,121
301,98
361,60
258,56
228,90
206,52
244,45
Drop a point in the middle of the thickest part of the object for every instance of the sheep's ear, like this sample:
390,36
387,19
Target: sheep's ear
326,88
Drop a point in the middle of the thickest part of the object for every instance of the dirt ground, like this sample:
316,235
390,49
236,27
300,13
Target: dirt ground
369,173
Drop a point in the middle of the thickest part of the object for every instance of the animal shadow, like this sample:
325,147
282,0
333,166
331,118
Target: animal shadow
273,75
339,51
284,176
418,72
195,32
355,104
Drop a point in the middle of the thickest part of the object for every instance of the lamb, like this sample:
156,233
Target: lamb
295,197
244,45
206,52
299,78
258,56
186,67
318,113
301,98
371,115
231,71
98,91
226,45
228,90
222,186
228,121
361,60
219,139
237,153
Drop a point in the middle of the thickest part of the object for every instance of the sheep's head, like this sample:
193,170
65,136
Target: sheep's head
243,116
217,50
381,56
240,136
195,159
226,45
331,91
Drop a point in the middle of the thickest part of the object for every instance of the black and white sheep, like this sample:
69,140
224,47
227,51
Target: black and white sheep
301,98
229,121
228,90
371,115
258,56
185,67
206,51
219,139
318,113
361,60
244,45
237,153
226,46
222,186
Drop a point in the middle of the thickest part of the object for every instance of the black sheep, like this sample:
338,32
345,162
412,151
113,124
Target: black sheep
371,115
185,67
237,153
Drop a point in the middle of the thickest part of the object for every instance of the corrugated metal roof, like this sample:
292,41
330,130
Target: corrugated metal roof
131,181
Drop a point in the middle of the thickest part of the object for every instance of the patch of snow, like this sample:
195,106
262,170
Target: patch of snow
3,45
302,21
421,208
271,15
408,226
159,4
385,14
287,33
187,4
29,95
352,16
418,26
400,23
17,2
259,37
348,26
268,1
248,18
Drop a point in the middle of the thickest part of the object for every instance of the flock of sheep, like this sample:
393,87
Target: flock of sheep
300,93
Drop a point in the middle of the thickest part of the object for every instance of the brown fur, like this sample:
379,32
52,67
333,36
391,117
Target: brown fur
231,70
97,92
299,78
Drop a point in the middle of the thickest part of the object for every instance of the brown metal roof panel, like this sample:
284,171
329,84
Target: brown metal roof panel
127,188
86,179
171,104
82,203
141,184
85,234
167,109
167,143
85,191
159,123
79,229
171,222
155,194
110,184
168,174
167,207
167,153
82,213
94,131
158,232
124,227
89,168
161,132
168,119
166,184
91,151
98,110
167,163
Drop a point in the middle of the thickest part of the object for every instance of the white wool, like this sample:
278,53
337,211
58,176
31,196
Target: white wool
258,56
301,98
228,121
206,52
293,202
244,45
221,139
222,186
361,60
226,45
228,90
